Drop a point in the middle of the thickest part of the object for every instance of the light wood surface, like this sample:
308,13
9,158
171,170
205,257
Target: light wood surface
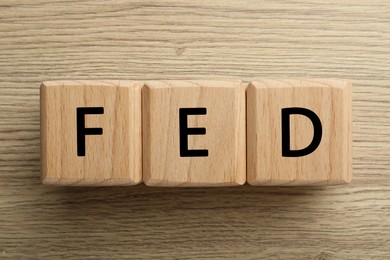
113,157
331,160
223,120
59,40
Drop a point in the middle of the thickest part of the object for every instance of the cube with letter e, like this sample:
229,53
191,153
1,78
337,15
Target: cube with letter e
194,133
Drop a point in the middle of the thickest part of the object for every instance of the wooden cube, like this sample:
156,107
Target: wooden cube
194,133
91,132
299,132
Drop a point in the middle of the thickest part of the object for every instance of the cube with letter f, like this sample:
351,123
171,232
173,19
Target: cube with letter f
91,132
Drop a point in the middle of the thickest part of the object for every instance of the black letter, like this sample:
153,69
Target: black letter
286,112
185,131
82,131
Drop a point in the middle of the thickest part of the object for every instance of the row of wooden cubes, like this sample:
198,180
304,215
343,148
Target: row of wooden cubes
196,133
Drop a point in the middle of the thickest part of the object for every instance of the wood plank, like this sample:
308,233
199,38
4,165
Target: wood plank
59,40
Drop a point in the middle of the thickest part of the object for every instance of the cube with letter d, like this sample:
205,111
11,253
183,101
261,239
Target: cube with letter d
91,132
194,133
299,132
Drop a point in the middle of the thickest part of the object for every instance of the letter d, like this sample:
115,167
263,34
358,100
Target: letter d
286,150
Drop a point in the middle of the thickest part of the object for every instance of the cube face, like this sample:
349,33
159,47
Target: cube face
171,112
71,154
331,160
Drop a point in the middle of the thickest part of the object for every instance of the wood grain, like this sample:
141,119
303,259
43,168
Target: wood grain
223,139
58,40
113,157
330,162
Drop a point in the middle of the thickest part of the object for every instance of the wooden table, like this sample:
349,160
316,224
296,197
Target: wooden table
52,40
